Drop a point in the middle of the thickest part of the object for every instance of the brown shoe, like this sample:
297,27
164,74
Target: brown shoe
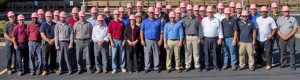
105,71
178,70
98,71
44,73
168,70
224,67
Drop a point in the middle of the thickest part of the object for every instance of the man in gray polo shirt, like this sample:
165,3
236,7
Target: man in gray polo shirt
287,27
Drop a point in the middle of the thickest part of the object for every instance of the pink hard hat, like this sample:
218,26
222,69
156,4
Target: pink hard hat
196,8
121,9
138,14
285,8
178,10
171,14
220,5
227,11
34,14
129,5
63,14
116,12
21,17
151,9
75,10
209,9
156,11
202,8
253,6
274,5
264,8
238,5
81,13
56,13
189,7
48,14
232,4
139,4
132,17
100,17
40,11
106,9
158,5
169,6
182,4
94,10
10,13
245,13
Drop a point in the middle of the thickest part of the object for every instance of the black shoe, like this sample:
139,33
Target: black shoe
79,71
168,70
293,67
282,66
199,69
187,69
157,70
146,71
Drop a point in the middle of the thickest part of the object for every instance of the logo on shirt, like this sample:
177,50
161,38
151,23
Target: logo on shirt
248,24
229,23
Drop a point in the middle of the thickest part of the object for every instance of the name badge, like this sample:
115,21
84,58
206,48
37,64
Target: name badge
248,24
229,23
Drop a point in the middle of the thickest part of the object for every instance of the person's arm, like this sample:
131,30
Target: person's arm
254,35
71,36
161,40
56,34
106,39
94,34
274,29
43,35
235,35
200,32
295,29
181,36
5,31
127,35
14,37
142,33
220,30
110,36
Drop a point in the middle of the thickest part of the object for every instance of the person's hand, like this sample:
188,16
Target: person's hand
233,42
70,46
112,44
57,47
51,42
123,43
129,43
219,42
134,43
143,43
166,46
16,47
253,43
159,42
179,44
270,37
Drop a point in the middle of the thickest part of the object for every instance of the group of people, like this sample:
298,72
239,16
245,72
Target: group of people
137,39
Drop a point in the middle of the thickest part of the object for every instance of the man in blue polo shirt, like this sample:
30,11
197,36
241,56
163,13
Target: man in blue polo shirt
253,13
151,38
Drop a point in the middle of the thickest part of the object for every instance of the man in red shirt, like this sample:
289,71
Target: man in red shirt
74,17
115,32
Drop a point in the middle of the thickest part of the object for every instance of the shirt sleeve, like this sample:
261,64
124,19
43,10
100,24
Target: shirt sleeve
273,24
5,29
181,34
71,35
94,34
106,39
295,23
142,26
56,35
42,29
109,27
165,31
235,25
220,29
200,30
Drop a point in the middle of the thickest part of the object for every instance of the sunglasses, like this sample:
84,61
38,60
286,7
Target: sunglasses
244,16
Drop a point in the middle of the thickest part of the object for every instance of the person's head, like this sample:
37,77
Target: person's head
75,11
238,8
169,8
158,6
56,15
178,13
21,18
274,7
132,19
245,15
129,8
189,9
196,10
209,11
11,16
253,8
172,17
139,6
48,16
94,12
34,17
81,15
220,8
106,10
285,11
232,7
151,12
100,20
202,11
183,7
227,12
40,13
116,14
121,11
264,11
156,12
63,16
138,17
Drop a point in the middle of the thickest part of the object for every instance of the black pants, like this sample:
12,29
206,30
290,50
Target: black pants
264,52
11,54
283,54
49,56
131,54
210,49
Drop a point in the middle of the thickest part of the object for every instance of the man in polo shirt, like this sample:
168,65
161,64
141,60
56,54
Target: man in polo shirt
182,52
275,15
123,17
74,17
48,48
230,32
247,41
63,42
183,10
20,39
139,9
266,31
288,26
194,34
220,15
115,32
238,10
173,38
213,36
253,13
151,38
34,45
83,34
9,47
41,16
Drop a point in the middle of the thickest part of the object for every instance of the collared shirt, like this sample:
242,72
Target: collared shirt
48,29
265,26
184,15
8,29
246,31
83,30
212,27
63,32
126,22
34,31
41,21
132,34
200,18
287,24
72,21
253,17
100,33
192,26
20,32
275,17
229,26
108,19
173,31
116,29
94,21
220,16
151,28
238,17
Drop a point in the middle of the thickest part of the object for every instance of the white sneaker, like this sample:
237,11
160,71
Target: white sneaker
124,70
114,71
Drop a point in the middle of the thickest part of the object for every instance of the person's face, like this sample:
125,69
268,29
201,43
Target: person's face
139,9
151,15
62,19
232,10
48,18
116,16
227,15
264,13
129,10
41,16
94,14
82,18
33,19
178,15
169,10
172,19
190,12
75,15
122,14
210,14
107,12
183,9
202,13
138,19
21,22
253,11
275,10
132,21
196,12
11,18
56,17
100,22
245,18
238,10
285,13
159,9
221,10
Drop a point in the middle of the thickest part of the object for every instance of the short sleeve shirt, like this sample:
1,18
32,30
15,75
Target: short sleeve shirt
265,26
229,26
287,24
48,29
8,29
246,31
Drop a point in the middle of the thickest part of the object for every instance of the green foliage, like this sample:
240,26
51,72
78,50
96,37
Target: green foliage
2,23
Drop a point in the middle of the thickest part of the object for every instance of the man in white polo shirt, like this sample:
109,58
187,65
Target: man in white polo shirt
266,29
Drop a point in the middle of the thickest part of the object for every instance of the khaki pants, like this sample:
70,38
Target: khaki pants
173,47
191,41
246,47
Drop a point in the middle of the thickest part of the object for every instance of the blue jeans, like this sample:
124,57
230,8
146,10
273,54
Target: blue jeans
118,45
228,48
35,52
22,53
